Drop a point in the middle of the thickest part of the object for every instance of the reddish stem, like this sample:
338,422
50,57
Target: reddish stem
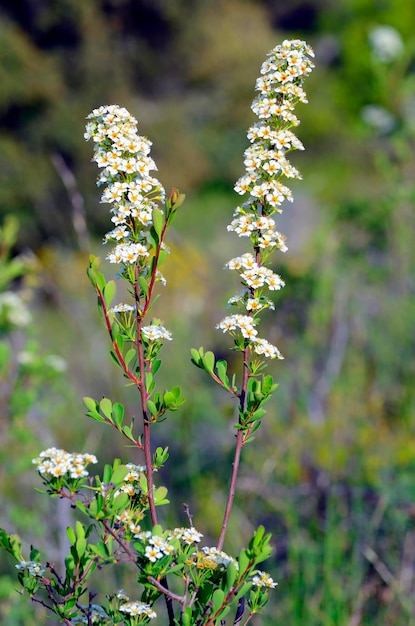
120,357
146,425
237,455
144,397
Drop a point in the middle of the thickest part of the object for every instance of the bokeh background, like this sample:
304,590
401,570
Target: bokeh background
331,473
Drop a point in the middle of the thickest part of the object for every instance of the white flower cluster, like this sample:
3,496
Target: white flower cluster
266,163
262,579
157,548
156,333
122,308
33,567
219,557
130,520
131,190
138,608
55,463
253,274
187,535
131,484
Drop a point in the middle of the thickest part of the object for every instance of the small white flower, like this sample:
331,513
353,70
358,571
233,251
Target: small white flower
262,579
153,553
122,308
156,333
138,608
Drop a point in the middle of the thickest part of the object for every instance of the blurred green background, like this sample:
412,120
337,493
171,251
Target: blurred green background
331,473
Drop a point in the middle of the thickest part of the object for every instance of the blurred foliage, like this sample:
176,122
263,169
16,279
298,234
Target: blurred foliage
335,479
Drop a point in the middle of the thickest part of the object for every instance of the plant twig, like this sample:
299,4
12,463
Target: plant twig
165,591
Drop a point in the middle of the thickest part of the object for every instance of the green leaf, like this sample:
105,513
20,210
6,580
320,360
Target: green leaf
186,617
97,279
196,358
12,544
258,414
79,528
268,385
71,535
91,275
158,221
129,355
106,407
152,408
143,285
149,382
109,292
81,506
81,547
258,535
34,554
162,256
208,361
107,475
116,334
118,474
115,359
93,510
221,367
70,565
94,262
160,456
231,575
128,432
120,502
243,590
117,414
160,496
173,398
256,426
96,416
217,599
90,403
155,366
243,561
168,399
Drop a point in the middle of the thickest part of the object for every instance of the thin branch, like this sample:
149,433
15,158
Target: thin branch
165,591
132,556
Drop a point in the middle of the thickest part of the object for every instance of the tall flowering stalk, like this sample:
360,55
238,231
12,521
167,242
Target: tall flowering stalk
280,89
138,248
121,505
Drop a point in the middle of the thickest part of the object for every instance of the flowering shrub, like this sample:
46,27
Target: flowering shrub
199,585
